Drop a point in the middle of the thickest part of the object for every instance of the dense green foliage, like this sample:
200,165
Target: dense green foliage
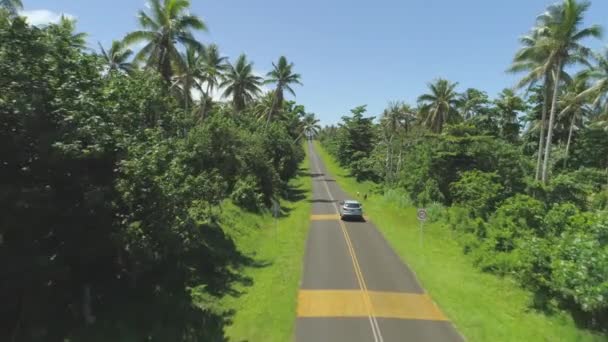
545,227
112,190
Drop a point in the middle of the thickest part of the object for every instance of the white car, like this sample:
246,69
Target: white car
351,209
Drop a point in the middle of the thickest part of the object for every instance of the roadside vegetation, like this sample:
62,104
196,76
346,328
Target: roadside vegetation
266,309
135,205
482,306
519,181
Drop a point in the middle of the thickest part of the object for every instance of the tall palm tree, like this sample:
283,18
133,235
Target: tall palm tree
599,74
168,23
470,102
439,106
575,108
264,104
240,83
12,6
213,65
64,33
189,74
283,76
531,58
509,105
310,126
116,58
562,36
391,122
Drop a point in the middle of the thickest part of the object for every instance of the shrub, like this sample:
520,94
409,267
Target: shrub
477,191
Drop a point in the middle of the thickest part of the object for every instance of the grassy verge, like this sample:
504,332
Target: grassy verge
266,310
483,307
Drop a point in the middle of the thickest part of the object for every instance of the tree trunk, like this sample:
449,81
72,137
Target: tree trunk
543,124
386,167
558,71
274,103
15,333
87,312
569,139
187,87
205,98
399,159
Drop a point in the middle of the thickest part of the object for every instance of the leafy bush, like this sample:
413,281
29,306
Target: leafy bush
568,188
517,220
477,191
246,194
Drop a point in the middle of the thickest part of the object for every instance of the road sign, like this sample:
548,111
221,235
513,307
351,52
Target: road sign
421,214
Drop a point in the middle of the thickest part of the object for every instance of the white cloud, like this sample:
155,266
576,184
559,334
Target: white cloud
43,16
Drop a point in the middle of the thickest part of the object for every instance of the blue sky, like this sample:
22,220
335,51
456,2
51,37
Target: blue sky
349,52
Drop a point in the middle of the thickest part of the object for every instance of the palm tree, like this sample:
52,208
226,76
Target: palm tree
240,83
116,58
189,74
439,106
167,24
532,58
263,104
391,121
283,76
470,102
575,108
213,65
561,35
63,32
509,105
599,74
310,126
12,6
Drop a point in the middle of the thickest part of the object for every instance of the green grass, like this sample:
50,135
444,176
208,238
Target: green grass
266,310
483,307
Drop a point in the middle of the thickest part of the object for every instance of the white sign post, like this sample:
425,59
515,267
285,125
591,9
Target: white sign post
422,216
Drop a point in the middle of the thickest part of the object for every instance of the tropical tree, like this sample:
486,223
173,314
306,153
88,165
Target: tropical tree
310,125
509,105
189,74
213,65
439,106
167,24
263,105
240,83
116,58
471,103
65,34
283,76
532,59
12,6
562,35
392,121
575,109
599,74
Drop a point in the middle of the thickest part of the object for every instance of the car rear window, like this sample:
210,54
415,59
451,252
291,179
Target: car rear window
352,205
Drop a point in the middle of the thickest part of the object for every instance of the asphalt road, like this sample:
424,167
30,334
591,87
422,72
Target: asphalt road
354,287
